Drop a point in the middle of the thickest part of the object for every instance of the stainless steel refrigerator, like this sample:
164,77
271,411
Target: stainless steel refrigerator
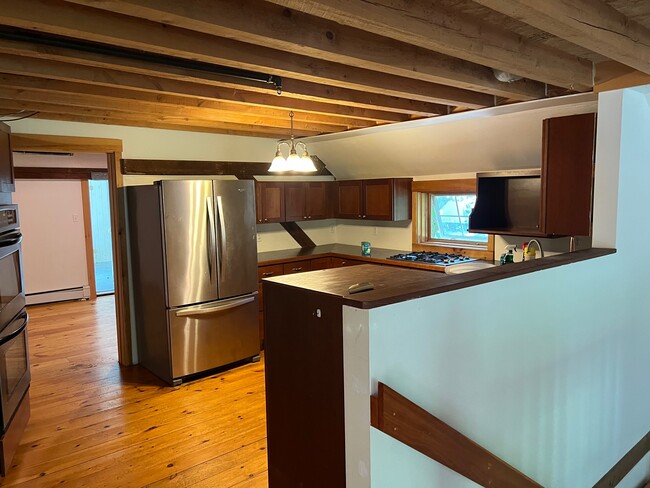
194,273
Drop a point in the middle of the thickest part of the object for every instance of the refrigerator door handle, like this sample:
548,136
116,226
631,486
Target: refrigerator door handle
210,236
222,235
217,308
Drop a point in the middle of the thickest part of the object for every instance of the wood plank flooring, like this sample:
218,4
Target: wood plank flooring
98,425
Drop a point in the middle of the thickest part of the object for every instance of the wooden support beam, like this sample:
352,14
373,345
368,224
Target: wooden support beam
430,26
262,23
62,18
153,109
293,89
88,236
81,112
405,421
592,24
241,170
135,100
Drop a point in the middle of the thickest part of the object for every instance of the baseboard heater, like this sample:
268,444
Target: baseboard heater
78,293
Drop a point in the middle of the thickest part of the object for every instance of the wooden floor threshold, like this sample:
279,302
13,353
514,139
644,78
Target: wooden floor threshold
96,424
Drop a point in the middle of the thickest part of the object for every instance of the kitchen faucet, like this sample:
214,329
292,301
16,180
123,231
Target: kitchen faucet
539,246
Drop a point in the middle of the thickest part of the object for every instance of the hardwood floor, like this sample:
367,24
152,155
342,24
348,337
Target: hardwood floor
98,425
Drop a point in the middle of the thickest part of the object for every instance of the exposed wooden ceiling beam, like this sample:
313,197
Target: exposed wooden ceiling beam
259,132
426,24
262,23
155,102
307,91
62,18
154,109
592,24
13,104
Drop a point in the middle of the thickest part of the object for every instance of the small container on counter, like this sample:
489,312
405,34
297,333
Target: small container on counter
365,248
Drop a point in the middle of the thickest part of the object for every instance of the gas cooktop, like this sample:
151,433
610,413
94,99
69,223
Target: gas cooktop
436,258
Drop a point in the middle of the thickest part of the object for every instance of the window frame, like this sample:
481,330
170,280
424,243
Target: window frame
422,192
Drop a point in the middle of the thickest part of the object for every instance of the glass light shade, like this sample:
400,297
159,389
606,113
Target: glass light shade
307,164
279,164
293,161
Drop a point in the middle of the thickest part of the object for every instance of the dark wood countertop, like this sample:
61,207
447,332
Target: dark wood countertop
398,284
378,256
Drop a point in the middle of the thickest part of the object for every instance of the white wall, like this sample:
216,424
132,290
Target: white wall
547,370
143,143
54,248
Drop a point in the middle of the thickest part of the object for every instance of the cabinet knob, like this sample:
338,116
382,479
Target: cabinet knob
359,215
304,217
364,216
266,220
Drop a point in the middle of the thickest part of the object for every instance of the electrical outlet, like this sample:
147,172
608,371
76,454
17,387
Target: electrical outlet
259,237
376,231
331,229
75,217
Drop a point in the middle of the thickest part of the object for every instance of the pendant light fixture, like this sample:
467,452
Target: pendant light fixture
293,162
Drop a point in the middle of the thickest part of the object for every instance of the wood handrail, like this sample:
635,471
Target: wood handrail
410,424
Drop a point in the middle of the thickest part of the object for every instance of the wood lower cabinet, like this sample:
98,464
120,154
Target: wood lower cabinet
340,262
383,199
304,384
269,202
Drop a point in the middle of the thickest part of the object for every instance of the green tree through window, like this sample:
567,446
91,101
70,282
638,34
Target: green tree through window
450,218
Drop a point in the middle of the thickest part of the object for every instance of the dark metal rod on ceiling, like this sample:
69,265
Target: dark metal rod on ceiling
22,35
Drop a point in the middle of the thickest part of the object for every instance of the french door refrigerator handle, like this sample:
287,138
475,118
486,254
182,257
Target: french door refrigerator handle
222,235
217,308
210,236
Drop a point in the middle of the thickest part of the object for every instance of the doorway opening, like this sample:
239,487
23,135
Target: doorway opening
100,217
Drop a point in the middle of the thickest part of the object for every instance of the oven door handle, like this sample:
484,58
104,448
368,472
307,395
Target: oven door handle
12,331
14,238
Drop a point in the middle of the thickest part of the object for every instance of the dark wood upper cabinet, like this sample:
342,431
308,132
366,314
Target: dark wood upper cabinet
382,199
7,184
269,201
553,201
308,200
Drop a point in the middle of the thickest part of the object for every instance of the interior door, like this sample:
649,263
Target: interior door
190,248
234,209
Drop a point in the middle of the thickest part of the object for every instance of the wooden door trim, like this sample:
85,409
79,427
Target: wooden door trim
113,149
88,235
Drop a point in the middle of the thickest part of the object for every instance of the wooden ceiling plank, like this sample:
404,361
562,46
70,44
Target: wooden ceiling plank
55,108
154,109
154,101
62,18
260,132
369,104
592,24
428,25
263,23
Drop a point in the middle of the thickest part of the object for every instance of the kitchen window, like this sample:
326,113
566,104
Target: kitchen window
441,211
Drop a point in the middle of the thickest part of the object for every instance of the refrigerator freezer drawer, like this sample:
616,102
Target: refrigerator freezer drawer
213,334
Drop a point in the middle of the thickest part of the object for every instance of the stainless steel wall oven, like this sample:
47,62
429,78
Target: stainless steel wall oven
14,355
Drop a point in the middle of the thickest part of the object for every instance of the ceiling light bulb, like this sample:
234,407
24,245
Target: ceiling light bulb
279,164
293,161
306,163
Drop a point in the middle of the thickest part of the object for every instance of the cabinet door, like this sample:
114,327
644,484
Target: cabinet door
378,199
318,202
340,262
350,199
270,202
567,174
296,267
295,208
